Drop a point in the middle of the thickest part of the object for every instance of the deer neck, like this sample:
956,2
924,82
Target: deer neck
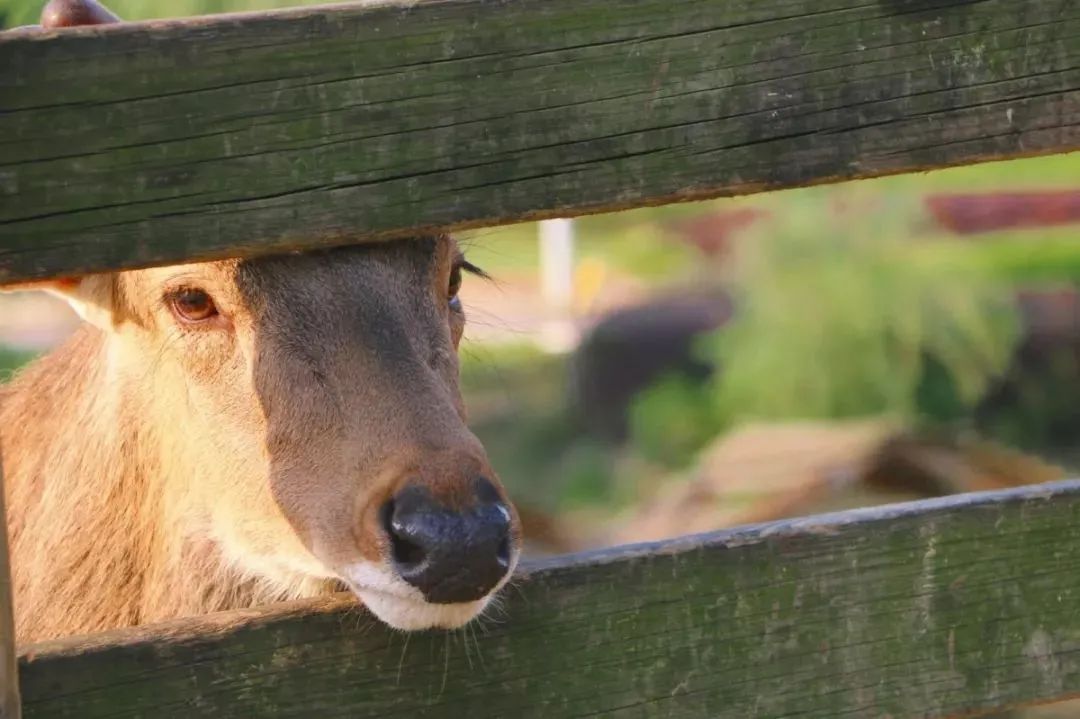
93,519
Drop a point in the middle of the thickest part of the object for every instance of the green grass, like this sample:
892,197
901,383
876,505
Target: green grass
1034,256
1053,171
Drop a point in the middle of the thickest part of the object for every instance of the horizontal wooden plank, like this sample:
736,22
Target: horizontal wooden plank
161,141
930,609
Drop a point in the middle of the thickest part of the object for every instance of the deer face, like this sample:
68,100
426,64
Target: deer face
311,422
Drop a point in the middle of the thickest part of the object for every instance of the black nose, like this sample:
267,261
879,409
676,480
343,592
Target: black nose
451,555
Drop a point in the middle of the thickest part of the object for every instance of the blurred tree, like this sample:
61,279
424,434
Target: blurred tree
839,314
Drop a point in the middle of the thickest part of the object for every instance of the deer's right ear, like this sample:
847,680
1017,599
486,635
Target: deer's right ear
93,297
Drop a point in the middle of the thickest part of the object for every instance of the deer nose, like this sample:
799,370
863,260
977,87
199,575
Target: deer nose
450,555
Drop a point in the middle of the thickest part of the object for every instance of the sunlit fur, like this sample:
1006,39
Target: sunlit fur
155,469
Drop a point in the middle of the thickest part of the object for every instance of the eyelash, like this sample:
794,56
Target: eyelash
461,265
472,269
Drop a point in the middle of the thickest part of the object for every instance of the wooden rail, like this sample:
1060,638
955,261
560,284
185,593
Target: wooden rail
943,608
169,141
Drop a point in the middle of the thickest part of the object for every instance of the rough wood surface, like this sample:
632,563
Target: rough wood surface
9,674
161,141
933,609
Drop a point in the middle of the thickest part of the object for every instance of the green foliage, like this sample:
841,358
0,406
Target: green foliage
1038,256
840,315
672,419
838,321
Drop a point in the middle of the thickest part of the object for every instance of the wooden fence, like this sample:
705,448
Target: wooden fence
166,141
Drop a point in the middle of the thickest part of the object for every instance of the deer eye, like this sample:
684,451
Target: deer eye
192,305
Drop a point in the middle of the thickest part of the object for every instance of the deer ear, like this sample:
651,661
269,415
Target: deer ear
73,13
93,297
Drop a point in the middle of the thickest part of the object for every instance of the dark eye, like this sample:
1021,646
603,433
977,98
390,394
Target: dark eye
191,305
454,288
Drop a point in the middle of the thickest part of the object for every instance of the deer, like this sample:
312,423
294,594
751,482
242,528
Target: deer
224,434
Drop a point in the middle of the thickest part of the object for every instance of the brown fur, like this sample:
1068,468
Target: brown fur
156,470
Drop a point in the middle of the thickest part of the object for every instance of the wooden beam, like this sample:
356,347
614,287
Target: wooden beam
9,674
942,608
164,141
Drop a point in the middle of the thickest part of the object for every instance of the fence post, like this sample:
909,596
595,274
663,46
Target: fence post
557,282
9,671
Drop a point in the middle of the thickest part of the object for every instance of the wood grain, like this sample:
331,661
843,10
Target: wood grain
932,609
163,141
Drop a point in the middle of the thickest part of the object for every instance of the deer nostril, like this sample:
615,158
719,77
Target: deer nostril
406,553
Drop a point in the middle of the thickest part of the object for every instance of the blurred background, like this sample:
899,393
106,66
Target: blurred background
749,359
685,368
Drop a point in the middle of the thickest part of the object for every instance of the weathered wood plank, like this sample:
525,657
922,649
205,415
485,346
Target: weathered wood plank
161,141
9,670
931,609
